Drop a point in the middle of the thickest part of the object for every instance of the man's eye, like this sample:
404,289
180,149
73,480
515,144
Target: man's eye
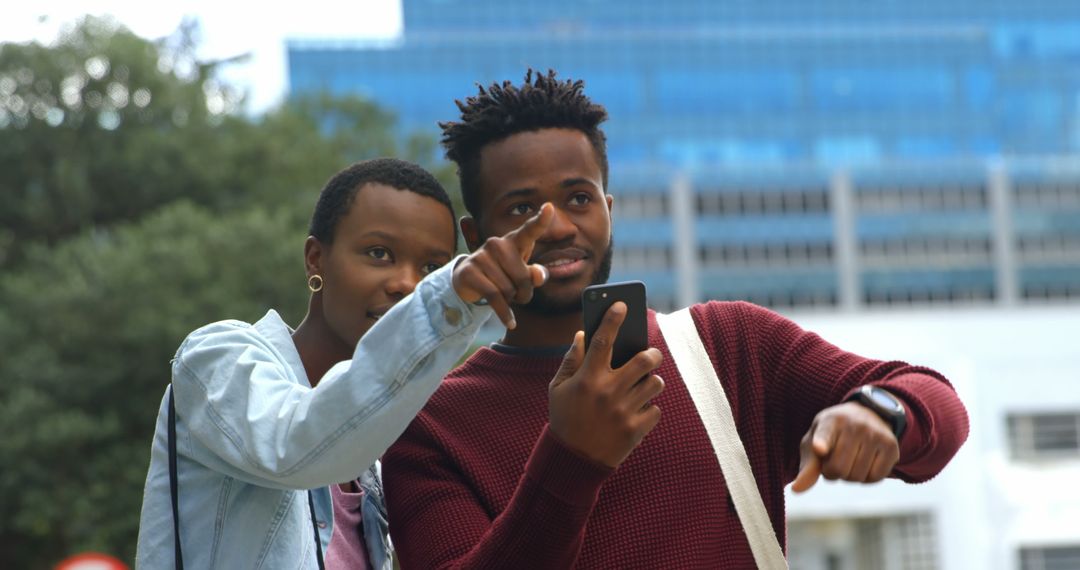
521,210
380,253
580,199
431,267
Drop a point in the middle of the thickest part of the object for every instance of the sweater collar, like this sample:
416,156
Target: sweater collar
518,364
537,351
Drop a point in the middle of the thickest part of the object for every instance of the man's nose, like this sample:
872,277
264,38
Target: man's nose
562,227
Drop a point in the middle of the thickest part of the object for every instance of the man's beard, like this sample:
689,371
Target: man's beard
544,304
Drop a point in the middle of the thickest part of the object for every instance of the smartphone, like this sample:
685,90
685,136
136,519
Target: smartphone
633,336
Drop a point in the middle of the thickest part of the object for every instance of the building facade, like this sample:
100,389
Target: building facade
835,153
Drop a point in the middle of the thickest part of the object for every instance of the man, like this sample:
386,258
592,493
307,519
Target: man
523,459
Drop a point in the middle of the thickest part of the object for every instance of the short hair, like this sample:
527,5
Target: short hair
340,191
502,110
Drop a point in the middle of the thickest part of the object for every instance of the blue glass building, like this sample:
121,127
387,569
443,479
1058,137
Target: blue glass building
829,153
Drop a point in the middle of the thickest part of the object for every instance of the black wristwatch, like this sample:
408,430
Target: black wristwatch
884,404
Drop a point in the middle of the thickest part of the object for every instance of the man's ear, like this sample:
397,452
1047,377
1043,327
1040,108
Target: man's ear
313,252
610,200
469,232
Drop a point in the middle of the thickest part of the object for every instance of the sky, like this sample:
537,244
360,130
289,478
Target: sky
229,28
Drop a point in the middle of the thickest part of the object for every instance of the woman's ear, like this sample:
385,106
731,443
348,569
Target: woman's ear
313,251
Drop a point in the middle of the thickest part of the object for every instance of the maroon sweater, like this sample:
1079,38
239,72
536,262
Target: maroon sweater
478,481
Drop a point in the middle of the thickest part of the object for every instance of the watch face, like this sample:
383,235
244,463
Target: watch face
883,399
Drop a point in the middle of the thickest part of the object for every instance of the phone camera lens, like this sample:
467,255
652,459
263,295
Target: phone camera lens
593,295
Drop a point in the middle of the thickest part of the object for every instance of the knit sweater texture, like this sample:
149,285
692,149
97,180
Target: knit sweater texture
479,481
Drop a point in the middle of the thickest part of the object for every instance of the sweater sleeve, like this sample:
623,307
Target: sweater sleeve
438,521
805,374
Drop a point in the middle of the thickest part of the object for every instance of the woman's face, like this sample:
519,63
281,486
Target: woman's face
386,243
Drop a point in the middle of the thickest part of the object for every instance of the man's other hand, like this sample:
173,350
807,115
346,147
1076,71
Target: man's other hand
848,442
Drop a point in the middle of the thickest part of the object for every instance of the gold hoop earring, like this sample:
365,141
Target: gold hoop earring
315,283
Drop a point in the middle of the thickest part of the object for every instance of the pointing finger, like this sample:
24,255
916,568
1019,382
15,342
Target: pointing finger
808,474
524,238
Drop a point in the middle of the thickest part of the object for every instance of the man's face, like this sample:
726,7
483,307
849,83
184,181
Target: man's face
517,175
388,241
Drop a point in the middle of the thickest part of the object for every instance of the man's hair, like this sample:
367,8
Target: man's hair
499,111
340,191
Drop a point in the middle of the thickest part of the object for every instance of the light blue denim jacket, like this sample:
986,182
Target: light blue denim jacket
253,436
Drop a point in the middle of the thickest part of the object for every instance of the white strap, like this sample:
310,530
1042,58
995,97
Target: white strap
712,405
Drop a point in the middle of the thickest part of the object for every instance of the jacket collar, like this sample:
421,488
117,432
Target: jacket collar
274,329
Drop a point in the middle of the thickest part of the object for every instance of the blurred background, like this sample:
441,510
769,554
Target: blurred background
901,177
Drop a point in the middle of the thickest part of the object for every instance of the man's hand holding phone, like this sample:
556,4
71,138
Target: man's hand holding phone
600,412
498,272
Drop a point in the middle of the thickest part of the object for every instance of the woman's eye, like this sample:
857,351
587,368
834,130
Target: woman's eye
380,253
521,210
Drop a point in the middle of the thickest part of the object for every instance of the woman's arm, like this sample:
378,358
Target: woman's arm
250,417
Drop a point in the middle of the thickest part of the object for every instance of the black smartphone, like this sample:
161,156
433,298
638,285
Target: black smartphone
633,335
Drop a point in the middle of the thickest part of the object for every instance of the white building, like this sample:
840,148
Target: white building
1011,498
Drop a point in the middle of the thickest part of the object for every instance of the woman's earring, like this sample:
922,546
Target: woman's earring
315,283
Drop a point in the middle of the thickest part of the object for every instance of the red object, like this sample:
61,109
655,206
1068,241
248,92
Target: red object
91,561
477,480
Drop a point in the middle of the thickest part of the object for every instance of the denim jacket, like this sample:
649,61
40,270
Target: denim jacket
253,436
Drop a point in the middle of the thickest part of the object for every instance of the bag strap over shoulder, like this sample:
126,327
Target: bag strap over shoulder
173,486
712,406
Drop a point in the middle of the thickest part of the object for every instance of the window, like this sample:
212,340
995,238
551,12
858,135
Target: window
1045,435
641,206
878,89
771,286
842,150
925,147
901,542
1034,111
732,91
979,85
1050,558
1049,195
1049,282
621,91
628,258
926,252
721,203
1050,247
915,198
927,285
766,255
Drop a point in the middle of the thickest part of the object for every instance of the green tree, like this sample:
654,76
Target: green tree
93,129
87,340
104,126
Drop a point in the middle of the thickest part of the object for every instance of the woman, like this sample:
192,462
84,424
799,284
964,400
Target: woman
264,413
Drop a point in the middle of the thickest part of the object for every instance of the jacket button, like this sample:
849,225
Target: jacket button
322,524
452,315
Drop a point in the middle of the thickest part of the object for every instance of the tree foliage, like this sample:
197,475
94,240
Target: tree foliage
87,339
136,204
105,126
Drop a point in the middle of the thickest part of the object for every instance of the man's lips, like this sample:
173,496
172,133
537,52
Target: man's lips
563,263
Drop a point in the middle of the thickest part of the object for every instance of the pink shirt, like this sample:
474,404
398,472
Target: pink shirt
347,548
